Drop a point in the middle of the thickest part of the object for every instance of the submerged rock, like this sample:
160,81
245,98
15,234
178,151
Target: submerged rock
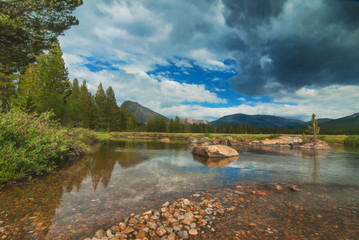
214,151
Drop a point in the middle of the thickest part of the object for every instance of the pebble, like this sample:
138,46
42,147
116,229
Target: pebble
183,234
193,232
179,220
100,234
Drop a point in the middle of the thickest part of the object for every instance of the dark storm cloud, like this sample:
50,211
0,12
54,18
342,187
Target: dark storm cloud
286,45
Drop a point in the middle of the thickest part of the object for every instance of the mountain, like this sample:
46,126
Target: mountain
344,123
260,121
323,120
193,121
142,113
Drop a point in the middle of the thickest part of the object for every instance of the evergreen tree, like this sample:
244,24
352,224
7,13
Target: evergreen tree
177,125
171,127
313,128
45,85
100,104
162,126
111,110
86,108
26,29
72,108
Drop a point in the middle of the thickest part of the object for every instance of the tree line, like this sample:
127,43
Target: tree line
33,77
158,124
45,86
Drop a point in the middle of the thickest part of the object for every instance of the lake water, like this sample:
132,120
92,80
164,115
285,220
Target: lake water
123,177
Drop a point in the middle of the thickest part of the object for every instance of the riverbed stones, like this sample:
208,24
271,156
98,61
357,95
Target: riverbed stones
214,151
183,234
100,234
187,217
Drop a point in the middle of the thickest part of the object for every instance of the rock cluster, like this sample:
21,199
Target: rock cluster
318,145
282,141
180,220
227,141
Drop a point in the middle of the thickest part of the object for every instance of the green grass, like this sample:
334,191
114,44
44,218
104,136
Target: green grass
34,145
352,140
251,137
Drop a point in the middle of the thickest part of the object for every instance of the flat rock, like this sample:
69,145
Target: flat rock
318,145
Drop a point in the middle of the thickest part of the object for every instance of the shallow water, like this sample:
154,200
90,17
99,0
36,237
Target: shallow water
124,177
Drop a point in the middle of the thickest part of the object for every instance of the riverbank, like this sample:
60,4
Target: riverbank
331,139
279,211
34,145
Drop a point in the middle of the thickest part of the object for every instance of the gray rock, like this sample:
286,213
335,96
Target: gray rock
109,233
183,234
193,225
100,234
176,229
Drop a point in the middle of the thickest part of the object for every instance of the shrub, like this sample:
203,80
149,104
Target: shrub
34,145
352,140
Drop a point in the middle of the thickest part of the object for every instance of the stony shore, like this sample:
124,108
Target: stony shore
185,218
248,212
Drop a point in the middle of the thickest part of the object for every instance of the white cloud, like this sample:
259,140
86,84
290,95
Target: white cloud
135,37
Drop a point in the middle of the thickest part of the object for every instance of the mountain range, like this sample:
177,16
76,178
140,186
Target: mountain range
349,122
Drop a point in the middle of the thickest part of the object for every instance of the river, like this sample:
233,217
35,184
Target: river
119,178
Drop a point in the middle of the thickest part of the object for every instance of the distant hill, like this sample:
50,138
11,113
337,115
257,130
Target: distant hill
193,121
260,121
142,113
345,124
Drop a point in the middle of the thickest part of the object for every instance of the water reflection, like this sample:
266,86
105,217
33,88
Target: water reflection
214,162
121,177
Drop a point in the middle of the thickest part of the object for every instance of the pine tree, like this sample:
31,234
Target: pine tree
86,108
313,128
26,29
72,108
45,85
100,104
177,125
111,111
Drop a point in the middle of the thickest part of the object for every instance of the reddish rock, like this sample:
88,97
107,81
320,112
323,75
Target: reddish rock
133,221
193,232
172,236
122,226
187,221
121,235
128,230
161,231
142,233
278,188
152,225
293,188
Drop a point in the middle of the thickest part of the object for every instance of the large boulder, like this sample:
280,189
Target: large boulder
214,151
318,145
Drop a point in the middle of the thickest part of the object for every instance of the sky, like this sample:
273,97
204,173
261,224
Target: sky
209,58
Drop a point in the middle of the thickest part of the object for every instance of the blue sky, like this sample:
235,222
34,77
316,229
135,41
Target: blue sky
207,59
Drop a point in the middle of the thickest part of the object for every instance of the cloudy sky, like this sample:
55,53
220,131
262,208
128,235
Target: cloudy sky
209,58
